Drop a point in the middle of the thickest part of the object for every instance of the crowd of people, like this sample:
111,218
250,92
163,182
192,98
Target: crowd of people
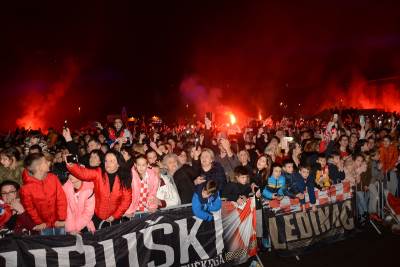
81,181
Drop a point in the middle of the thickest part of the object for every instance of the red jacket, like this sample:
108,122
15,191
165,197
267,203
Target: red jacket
44,200
108,203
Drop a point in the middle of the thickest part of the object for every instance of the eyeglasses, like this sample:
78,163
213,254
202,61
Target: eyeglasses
8,193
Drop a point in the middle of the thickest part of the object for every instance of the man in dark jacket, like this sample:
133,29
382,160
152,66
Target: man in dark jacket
184,178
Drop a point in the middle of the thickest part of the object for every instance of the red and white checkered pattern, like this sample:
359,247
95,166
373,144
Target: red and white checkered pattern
239,225
144,190
336,193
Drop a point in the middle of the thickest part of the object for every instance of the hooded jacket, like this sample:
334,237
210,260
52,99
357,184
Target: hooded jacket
274,186
113,203
80,207
202,207
301,185
44,200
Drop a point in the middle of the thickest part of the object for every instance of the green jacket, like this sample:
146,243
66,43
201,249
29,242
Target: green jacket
14,175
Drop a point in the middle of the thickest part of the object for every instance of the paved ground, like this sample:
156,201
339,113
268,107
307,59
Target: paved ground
366,248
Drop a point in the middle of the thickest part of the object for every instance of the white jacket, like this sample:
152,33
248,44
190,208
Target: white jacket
168,192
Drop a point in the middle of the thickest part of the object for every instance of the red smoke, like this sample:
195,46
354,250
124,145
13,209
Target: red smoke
39,108
210,99
363,94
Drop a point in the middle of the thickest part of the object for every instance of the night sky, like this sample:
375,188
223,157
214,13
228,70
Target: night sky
100,57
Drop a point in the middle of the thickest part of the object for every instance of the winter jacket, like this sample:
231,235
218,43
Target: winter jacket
183,178
167,191
274,186
334,173
153,183
44,200
202,208
232,191
388,157
289,180
107,203
80,207
301,185
216,173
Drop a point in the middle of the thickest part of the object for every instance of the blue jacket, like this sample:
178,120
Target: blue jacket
274,186
289,180
202,207
300,186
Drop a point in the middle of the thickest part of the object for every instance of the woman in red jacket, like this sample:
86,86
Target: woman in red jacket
112,187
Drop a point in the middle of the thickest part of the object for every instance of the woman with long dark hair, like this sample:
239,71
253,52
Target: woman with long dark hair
258,182
112,187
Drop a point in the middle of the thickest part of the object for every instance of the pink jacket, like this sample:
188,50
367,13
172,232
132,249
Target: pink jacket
153,182
80,207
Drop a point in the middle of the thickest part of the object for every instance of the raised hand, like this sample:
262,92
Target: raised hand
67,134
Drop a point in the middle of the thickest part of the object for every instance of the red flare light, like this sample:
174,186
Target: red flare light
232,118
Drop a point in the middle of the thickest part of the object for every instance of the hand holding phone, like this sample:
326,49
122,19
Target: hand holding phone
72,159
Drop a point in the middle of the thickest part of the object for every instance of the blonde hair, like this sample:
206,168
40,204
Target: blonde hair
209,151
138,148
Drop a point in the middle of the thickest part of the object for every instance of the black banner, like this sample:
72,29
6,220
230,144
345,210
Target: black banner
167,238
298,232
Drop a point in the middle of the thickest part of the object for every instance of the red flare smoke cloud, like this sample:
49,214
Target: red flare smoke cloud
38,109
362,94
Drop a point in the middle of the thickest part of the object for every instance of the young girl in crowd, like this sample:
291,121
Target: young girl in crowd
80,208
145,184
258,182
